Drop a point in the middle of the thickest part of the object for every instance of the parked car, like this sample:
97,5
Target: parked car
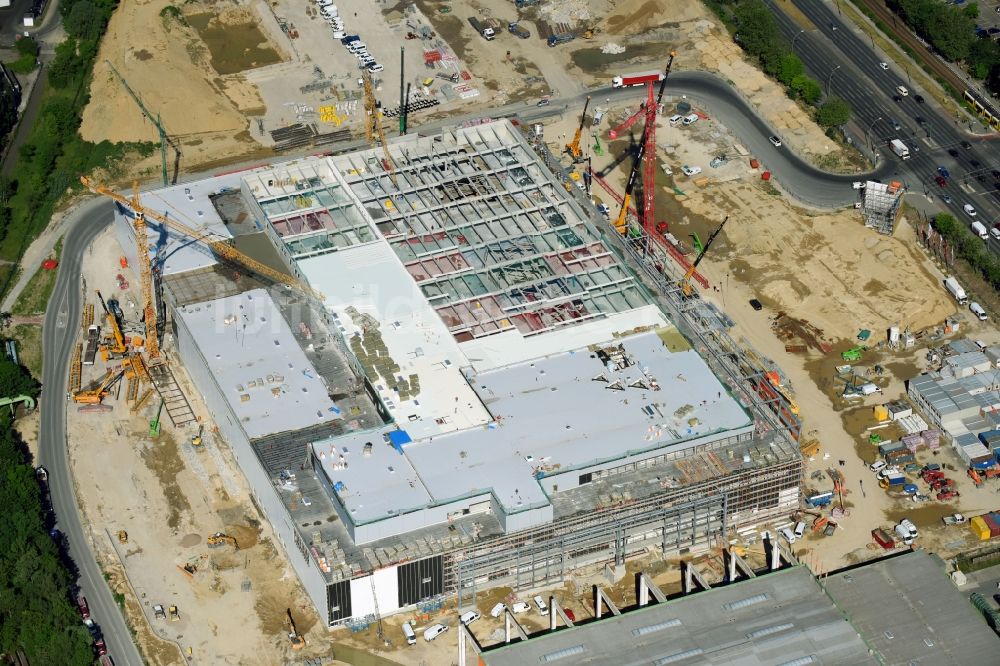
433,631
469,617
905,522
877,466
520,607
756,305
543,608
691,170
674,119
498,610
690,118
788,534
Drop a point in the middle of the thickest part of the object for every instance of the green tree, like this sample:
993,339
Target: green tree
952,33
807,89
984,55
27,46
15,380
66,66
84,20
971,10
833,112
789,68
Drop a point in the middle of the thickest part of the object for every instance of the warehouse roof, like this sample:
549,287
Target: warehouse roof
258,364
639,397
190,205
778,618
908,610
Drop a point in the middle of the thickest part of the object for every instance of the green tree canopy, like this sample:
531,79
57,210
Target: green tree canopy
833,112
84,20
806,88
789,68
15,380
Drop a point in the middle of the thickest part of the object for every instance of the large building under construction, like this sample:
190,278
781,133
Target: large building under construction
489,388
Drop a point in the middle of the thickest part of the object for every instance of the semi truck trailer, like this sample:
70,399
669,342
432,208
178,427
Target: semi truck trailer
628,80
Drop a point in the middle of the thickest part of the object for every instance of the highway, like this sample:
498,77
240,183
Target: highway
59,334
846,65
63,314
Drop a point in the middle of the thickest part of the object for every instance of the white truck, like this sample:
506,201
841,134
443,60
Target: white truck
900,149
979,229
955,289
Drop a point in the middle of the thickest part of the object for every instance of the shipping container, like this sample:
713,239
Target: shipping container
990,438
883,539
881,413
979,528
992,523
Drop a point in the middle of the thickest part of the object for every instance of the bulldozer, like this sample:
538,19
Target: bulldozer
296,640
220,538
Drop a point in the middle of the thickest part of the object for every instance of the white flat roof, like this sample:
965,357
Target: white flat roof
188,204
371,279
260,368
564,413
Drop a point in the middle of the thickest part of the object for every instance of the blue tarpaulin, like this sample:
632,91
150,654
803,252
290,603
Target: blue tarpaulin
399,437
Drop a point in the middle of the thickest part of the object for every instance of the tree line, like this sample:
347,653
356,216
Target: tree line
38,616
755,29
952,31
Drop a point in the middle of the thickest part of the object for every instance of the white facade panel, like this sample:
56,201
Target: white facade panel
386,590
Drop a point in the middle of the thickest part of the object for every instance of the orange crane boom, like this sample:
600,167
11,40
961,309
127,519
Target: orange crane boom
573,147
219,245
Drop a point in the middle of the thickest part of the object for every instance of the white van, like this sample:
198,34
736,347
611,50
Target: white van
411,638
904,534
978,310
468,617
788,534
356,47
520,607
902,91
543,608
433,631
869,389
800,529
498,610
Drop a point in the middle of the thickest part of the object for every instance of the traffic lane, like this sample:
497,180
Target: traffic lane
58,338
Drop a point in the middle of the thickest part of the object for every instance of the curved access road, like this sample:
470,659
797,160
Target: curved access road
722,101
59,333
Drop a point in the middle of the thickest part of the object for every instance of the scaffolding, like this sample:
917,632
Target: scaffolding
880,205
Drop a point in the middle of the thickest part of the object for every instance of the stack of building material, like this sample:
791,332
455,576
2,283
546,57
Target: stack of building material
914,442
933,438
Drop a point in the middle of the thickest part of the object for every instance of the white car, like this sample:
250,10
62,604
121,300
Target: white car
543,608
858,185
433,631
498,610
339,34
692,118
877,466
374,68
884,65
775,141
691,170
674,119
520,607
969,210
788,534
469,617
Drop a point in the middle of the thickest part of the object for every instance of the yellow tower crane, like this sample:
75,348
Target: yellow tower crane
219,245
373,125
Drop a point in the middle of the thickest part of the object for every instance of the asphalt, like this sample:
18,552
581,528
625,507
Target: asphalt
59,333
846,63
801,179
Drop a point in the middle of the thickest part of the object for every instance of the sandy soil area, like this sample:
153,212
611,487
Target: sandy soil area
170,70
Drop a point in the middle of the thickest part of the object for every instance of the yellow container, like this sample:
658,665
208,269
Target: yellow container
980,528
881,413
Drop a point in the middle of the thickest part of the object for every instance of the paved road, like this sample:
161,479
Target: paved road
847,65
62,319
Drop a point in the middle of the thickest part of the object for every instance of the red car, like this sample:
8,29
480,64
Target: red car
947,494
101,648
569,615
940,180
942,484
932,475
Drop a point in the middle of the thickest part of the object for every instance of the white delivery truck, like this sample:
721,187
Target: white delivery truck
979,229
900,149
955,289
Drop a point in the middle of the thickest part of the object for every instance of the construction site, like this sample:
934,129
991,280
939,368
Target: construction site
353,329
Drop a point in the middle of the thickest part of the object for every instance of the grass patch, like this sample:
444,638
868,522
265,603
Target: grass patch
35,296
29,347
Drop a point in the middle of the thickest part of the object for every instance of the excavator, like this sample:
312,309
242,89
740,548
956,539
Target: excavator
686,280
220,538
97,395
294,637
573,147
117,347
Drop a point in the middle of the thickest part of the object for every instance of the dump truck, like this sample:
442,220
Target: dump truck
956,290
629,80
477,25
516,30
556,40
900,149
